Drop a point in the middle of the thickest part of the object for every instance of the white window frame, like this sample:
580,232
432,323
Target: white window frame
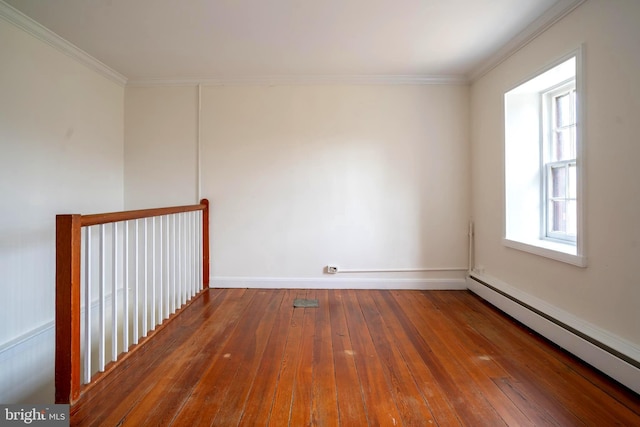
525,185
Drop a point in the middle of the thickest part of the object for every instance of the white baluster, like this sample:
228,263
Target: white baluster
167,281
125,291
185,254
185,264
114,294
161,280
179,249
194,273
153,273
196,249
101,302
200,278
187,217
87,307
174,252
145,279
136,299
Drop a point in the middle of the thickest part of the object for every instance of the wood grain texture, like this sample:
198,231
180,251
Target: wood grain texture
205,243
67,358
424,358
105,218
352,409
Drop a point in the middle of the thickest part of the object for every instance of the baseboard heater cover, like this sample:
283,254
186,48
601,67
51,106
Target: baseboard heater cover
620,373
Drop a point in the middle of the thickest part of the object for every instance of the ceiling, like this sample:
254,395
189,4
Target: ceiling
224,39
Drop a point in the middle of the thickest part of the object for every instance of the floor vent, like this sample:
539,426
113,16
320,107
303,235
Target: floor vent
305,303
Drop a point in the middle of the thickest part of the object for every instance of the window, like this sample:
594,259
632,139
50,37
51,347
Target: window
559,144
543,169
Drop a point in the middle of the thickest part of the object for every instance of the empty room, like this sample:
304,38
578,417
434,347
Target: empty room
320,213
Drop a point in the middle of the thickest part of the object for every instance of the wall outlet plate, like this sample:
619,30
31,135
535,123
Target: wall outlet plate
332,269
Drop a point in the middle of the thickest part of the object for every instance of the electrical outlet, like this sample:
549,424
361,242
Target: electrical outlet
332,269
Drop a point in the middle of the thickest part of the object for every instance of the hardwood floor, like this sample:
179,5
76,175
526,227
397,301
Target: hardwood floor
425,358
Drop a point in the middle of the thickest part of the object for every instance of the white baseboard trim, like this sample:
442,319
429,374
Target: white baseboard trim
336,283
614,356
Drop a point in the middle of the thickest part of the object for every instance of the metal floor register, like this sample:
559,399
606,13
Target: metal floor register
305,303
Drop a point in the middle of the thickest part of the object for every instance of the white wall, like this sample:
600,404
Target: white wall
160,146
302,176
360,176
606,293
61,151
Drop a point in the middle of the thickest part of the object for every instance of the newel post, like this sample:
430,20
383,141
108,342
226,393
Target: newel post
205,243
67,370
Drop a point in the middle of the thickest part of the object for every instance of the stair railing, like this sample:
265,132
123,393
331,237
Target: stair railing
118,276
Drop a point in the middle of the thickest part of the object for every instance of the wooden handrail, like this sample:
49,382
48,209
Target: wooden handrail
68,283
105,218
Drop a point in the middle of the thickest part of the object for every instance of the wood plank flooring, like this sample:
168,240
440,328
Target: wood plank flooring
381,358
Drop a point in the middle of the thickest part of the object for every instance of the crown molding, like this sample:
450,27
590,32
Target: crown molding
553,15
22,21
561,9
371,79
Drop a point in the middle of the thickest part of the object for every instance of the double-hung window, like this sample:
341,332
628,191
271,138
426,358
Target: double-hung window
560,168
543,164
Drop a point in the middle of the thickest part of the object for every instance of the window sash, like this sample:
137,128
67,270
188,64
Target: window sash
559,145
561,127
561,201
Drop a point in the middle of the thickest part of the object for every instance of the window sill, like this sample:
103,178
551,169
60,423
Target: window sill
558,251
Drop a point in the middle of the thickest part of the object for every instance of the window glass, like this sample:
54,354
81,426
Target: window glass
560,161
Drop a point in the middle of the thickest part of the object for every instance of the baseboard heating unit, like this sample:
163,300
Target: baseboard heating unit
613,356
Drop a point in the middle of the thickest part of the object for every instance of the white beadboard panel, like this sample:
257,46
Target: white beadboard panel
27,363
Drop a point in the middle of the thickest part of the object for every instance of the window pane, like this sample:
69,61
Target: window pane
558,181
558,216
564,112
564,145
562,218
